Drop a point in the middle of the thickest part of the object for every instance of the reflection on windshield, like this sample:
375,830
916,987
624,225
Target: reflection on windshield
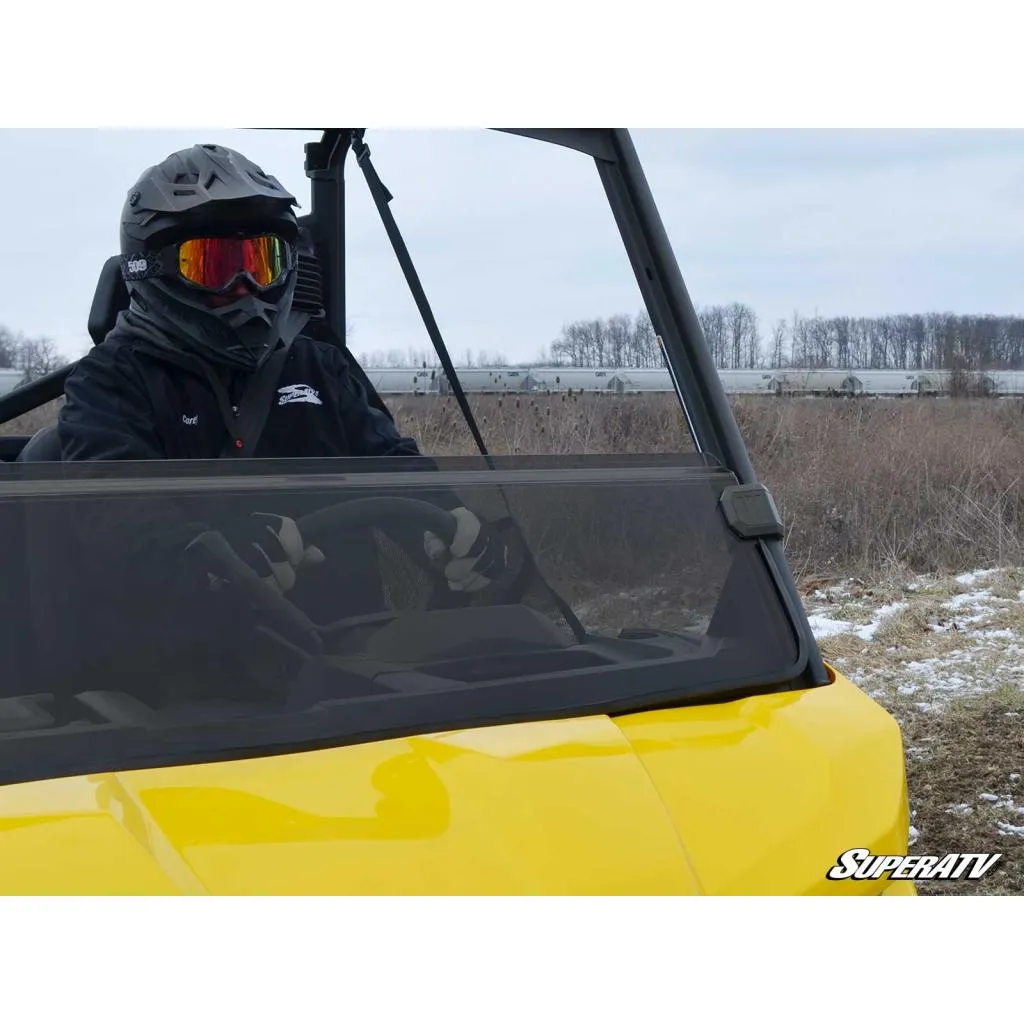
607,583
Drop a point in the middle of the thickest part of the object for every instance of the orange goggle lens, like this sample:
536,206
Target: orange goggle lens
213,263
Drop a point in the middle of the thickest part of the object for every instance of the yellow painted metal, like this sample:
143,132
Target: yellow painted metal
759,795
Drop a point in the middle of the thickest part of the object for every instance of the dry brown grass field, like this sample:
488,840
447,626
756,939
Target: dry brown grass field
905,527
863,485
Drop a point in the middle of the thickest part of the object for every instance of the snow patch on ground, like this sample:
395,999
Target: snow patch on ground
983,655
969,578
825,625
1013,825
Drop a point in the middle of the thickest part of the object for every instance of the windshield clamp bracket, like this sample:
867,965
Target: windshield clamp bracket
751,512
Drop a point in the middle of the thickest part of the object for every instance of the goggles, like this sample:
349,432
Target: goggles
214,264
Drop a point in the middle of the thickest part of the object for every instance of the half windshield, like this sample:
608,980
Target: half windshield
625,588
135,633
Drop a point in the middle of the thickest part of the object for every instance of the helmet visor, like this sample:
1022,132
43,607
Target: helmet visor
214,263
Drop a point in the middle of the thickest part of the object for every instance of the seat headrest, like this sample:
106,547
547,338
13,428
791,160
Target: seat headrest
110,298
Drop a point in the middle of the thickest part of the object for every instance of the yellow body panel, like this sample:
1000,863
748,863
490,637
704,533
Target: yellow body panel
753,796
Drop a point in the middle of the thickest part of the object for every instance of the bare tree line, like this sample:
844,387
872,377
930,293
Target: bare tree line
904,341
33,357
928,341
424,359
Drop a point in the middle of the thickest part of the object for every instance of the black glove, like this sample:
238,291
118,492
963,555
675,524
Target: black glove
254,582
272,546
478,553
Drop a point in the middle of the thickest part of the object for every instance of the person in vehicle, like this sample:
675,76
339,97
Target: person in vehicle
208,254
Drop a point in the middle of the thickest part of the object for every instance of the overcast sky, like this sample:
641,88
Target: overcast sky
513,238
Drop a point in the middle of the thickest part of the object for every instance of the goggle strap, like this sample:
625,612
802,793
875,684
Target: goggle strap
141,265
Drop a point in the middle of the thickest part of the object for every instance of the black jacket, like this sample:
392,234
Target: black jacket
130,399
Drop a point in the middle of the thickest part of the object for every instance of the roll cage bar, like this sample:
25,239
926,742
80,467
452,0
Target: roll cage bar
702,396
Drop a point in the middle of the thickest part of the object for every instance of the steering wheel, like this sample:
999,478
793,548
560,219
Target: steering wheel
294,635
381,511
402,519
391,514
395,516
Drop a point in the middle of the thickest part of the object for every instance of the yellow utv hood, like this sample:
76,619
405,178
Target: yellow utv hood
755,796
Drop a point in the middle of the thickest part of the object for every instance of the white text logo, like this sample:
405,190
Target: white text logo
864,864
298,393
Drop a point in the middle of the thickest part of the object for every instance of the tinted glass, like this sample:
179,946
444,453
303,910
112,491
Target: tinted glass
624,588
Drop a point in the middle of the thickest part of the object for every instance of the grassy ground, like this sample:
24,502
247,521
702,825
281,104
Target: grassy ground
863,486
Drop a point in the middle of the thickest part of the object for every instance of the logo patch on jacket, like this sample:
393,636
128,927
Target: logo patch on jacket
298,393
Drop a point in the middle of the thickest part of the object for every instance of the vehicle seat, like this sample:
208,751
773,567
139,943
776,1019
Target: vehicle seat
42,446
111,296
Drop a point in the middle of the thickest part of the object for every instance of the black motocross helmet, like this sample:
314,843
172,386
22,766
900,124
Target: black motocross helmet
209,191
